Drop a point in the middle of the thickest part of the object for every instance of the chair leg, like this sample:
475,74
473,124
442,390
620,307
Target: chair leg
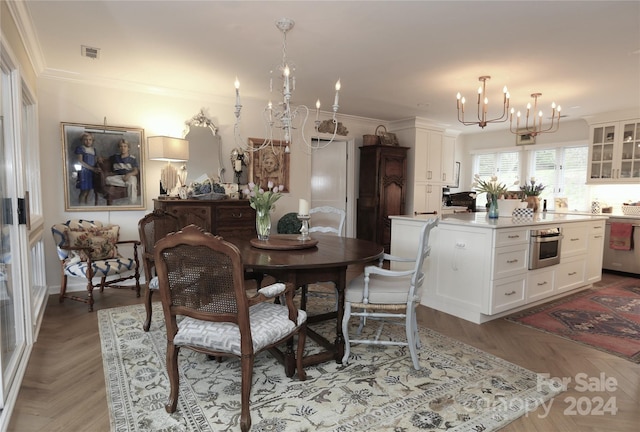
247,374
302,335
174,378
103,279
345,331
90,295
410,330
147,306
63,287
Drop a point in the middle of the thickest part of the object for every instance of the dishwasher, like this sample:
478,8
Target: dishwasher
622,260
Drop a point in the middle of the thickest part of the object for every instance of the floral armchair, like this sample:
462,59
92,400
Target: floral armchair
88,250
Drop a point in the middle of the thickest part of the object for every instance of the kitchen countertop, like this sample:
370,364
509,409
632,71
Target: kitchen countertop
481,220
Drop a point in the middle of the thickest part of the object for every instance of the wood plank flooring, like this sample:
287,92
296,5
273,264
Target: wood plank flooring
63,389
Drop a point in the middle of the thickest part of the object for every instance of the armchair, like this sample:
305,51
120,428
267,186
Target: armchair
388,294
201,279
88,250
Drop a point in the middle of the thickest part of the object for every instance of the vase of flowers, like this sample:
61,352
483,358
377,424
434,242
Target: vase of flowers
263,202
494,190
532,191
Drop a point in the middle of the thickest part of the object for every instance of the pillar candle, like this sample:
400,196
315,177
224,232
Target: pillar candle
303,208
237,165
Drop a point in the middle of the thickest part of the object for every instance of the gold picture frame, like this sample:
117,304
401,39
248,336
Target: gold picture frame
93,179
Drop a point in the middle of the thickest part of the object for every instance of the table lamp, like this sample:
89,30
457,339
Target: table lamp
169,149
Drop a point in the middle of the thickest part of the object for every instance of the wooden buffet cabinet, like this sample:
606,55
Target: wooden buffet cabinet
226,218
382,191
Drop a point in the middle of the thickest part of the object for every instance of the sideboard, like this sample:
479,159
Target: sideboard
226,218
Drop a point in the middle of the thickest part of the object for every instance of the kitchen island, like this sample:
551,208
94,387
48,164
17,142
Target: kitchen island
478,269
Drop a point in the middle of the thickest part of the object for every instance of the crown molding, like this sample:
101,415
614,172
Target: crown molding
28,34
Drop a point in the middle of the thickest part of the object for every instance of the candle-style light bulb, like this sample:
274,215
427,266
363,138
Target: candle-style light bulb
237,86
317,109
335,101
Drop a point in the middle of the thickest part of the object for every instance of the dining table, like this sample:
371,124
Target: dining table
320,258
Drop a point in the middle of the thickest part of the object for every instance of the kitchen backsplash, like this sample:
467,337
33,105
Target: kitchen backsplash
615,195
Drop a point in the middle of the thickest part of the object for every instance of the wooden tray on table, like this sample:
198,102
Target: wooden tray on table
283,242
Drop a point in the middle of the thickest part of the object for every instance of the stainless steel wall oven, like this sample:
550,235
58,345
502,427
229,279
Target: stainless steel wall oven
544,247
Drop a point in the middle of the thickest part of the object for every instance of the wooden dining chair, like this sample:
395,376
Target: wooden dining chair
388,296
151,228
201,279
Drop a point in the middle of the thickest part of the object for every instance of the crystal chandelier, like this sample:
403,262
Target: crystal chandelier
535,128
483,105
284,117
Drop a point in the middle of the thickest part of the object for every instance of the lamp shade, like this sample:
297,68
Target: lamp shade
164,148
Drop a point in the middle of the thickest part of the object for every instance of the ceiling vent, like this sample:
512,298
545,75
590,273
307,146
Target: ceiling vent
90,52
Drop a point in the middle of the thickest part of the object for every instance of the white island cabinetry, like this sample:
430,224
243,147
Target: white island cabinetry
478,268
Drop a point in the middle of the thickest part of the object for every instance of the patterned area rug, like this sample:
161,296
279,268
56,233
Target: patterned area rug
460,388
604,318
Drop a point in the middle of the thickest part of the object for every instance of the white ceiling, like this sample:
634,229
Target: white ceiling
395,59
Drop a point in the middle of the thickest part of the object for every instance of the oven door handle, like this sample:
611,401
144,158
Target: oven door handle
546,239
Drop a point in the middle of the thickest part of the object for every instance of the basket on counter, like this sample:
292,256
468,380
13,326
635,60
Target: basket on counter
209,196
631,210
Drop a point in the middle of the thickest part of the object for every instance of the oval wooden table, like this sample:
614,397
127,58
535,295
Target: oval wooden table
327,261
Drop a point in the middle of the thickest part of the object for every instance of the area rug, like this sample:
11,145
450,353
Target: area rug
459,388
605,318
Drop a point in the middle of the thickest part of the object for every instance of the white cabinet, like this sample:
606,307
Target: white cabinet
574,241
614,152
479,273
428,156
595,252
430,164
427,198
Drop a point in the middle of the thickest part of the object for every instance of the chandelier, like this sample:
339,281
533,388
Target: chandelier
483,105
283,117
535,128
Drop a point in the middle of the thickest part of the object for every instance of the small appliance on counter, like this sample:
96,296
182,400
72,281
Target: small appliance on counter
460,199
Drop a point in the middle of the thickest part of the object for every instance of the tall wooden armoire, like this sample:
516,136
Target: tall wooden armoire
383,172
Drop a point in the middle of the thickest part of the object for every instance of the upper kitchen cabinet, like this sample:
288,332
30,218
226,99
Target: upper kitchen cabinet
614,152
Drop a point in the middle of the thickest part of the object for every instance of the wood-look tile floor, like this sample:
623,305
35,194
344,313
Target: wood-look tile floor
64,390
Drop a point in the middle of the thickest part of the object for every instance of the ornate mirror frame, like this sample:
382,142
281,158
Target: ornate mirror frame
200,120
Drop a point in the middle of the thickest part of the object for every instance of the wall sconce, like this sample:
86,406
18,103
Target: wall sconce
169,149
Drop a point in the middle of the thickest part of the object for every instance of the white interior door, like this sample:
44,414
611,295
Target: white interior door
332,179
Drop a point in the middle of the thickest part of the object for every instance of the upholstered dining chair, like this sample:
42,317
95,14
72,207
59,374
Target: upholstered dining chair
151,228
88,250
389,295
324,219
201,279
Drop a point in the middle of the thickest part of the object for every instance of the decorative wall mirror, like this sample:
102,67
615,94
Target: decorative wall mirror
205,149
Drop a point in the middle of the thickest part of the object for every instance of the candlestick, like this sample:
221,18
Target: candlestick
303,207
304,230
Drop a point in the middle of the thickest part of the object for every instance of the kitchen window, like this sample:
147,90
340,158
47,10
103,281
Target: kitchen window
563,170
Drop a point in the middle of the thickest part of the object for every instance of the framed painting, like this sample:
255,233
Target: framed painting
103,167
525,138
270,163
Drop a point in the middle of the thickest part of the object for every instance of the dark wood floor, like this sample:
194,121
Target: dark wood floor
63,389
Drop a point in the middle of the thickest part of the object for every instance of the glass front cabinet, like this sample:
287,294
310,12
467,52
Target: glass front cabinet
614,152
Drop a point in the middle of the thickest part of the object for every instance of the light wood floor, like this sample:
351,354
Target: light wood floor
64,389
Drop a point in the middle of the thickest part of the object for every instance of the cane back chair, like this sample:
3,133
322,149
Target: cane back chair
201,279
